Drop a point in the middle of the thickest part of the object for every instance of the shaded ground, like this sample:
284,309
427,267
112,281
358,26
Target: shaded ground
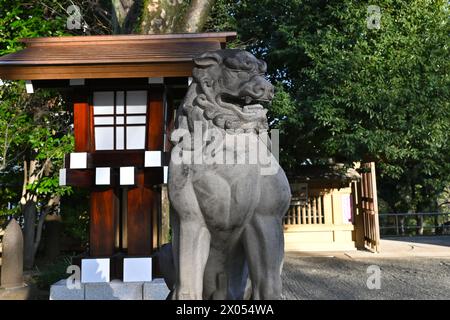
344,278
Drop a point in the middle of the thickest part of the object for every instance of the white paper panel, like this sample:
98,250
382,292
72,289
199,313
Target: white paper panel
137,269
126,176
104,138
103,120
119,138
152,159
29,86
78,160
119,120
136,102
102,176
94,270
136,137
103,102
136,119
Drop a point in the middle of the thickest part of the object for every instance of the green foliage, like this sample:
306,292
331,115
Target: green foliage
356,93
32,127
75,213
220,18
50,273
20,19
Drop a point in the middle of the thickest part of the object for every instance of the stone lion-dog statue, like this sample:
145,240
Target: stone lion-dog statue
226,218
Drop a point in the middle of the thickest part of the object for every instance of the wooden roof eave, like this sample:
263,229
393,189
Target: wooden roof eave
119,56
96,71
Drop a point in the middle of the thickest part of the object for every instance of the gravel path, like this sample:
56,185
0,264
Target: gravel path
343,278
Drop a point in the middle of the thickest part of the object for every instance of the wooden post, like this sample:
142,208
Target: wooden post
104,204
82,123
328,208
139,218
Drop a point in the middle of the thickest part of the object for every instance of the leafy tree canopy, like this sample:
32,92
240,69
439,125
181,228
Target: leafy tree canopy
353,92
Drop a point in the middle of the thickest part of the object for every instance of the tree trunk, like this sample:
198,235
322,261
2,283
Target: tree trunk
32,229
160,16
125,14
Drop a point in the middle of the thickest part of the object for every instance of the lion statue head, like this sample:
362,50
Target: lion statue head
227,89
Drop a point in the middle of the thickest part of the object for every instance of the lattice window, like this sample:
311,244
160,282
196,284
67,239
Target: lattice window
120,119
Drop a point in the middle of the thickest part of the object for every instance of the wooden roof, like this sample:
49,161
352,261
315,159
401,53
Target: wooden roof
115,56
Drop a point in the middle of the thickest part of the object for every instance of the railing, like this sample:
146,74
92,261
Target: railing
423,223
303,212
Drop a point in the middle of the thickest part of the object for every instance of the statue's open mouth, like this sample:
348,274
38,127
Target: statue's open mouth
246,111
246,103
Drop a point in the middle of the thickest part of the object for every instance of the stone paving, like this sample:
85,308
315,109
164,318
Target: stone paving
416,268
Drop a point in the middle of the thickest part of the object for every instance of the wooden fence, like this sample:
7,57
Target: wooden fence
303,212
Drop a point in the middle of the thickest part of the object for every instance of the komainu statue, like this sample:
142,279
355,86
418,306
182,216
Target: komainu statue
227,191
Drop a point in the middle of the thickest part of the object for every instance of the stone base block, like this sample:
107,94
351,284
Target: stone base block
60,291
155,290
114,290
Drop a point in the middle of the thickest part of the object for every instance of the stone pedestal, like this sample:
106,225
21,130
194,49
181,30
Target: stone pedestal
155,290
60,291
11,275
114,290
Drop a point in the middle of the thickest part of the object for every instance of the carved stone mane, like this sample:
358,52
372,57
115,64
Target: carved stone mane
226,92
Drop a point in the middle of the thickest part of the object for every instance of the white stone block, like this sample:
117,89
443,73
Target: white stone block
153,159
76,82
62,177
114,290
78,160
94,270
156,290
137,269
155,80
126,176
102,176
60,291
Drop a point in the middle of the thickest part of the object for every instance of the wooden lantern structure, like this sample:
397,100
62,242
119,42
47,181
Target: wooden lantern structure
124,89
